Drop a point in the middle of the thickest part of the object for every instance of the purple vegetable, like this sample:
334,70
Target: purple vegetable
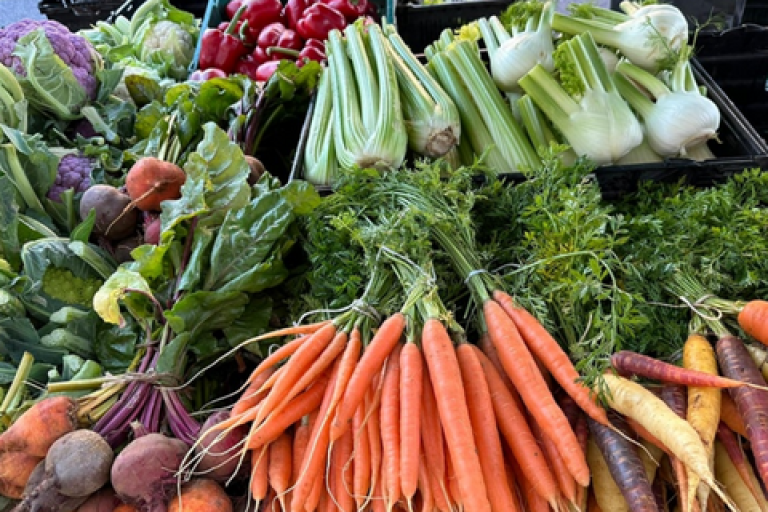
221,451
76,51
74,173
143,474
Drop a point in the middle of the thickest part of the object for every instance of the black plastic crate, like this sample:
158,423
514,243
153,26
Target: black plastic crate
77,15
421,25
756,12
740,147
737,60
80,14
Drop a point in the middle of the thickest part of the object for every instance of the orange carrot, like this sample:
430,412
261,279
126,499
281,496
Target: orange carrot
753,318
729,415
452,482
486,433
565,481
370,363
532,500
486,345
425,488
342,467
201,495
304,333
373,410
40,426
432,438
253,394
390,427
302,405
279,470
454,415
631,364
315,456
259,484
514,427
411,383
521,368
541,343
361,478
297,366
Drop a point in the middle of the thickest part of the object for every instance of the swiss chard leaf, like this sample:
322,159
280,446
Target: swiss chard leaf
122,286
206,311
18,335
216,181
253,322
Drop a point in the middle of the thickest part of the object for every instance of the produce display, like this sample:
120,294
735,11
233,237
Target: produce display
317,287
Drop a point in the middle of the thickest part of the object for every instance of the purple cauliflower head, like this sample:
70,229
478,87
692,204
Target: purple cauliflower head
76,51
74,173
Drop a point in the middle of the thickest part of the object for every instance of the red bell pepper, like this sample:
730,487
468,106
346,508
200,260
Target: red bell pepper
270,35
318,20
266,70
293,11
222,49
232,8
260,55
351,9
248,66
310,53
260,13
290,39
200,75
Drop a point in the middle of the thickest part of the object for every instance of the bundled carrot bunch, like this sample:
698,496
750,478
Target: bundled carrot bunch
425,395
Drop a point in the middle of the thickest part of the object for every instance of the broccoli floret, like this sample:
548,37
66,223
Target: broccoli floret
62,284
74,173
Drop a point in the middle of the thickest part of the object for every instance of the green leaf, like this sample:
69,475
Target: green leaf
216,180
9,220
172,357
147,119
95,257
82,231
108,80
206,311
18,335
143,90
117,288
30,165
243,252
115,347
216,96
253,322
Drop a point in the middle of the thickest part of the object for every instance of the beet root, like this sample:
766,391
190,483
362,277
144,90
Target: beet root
143,474
40,426
201,495
77,465
116,219
220,454
152,181
15,471
103,501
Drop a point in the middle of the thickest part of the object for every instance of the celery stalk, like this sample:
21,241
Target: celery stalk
320,167
495,111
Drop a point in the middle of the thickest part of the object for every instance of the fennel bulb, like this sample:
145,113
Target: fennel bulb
585,106
431,118
524,49
679,118
649,38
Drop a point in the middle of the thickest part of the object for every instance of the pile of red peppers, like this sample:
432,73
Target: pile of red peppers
260,33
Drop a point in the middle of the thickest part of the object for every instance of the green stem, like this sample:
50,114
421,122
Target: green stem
76,385
22,372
